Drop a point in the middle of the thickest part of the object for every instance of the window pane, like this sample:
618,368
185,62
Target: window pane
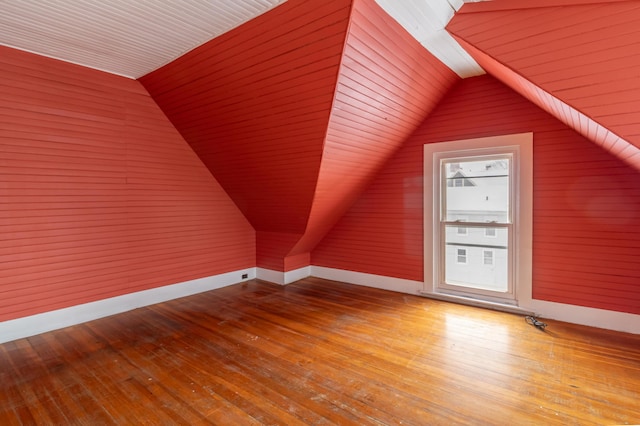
477,190
477,261
462,256
487,257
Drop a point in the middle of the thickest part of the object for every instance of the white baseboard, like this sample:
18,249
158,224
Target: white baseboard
297,274
368,280
593,317
40,323
272,276
600,318
53,320
283,278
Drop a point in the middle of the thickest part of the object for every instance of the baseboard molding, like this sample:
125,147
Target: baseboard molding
297,274
53,320
593,317
600,318
283,278
369,280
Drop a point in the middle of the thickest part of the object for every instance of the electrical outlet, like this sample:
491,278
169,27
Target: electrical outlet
245,276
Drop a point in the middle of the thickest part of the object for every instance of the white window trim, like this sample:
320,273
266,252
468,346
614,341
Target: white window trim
523,207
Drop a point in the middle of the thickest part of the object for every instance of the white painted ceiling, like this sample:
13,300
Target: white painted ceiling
125,37
132,37
425,20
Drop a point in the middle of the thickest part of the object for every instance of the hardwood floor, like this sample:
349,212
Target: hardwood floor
319,352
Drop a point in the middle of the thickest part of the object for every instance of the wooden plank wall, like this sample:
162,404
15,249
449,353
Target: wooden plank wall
586,204
99,194
272,249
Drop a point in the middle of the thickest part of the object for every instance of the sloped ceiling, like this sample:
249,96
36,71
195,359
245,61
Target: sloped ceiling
295,104
293,112
386,86
577,59
297,110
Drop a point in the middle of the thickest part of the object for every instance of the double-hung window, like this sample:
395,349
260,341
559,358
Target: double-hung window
478,217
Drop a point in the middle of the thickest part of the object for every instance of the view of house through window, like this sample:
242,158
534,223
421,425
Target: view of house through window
476,192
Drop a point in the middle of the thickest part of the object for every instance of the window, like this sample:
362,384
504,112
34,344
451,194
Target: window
488,203
487,257
493,261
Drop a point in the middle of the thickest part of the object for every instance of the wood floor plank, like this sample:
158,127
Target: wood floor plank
13,408
319,352
245,357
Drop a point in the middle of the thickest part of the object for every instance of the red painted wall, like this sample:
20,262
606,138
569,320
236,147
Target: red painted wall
582,54
586,204
99,194
272,250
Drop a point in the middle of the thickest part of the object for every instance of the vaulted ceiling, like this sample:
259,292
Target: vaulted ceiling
295,104
297,111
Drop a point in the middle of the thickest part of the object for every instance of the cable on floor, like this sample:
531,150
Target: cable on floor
535,322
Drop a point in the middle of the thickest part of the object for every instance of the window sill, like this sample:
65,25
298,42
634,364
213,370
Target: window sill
476,302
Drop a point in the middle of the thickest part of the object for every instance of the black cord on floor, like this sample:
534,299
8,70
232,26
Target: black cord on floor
534,322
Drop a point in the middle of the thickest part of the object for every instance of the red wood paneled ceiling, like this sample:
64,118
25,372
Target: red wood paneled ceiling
577,59
295,111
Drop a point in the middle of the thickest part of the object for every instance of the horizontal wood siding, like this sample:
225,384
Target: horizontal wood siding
388,84
99,194
586,204
583,55
255,103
